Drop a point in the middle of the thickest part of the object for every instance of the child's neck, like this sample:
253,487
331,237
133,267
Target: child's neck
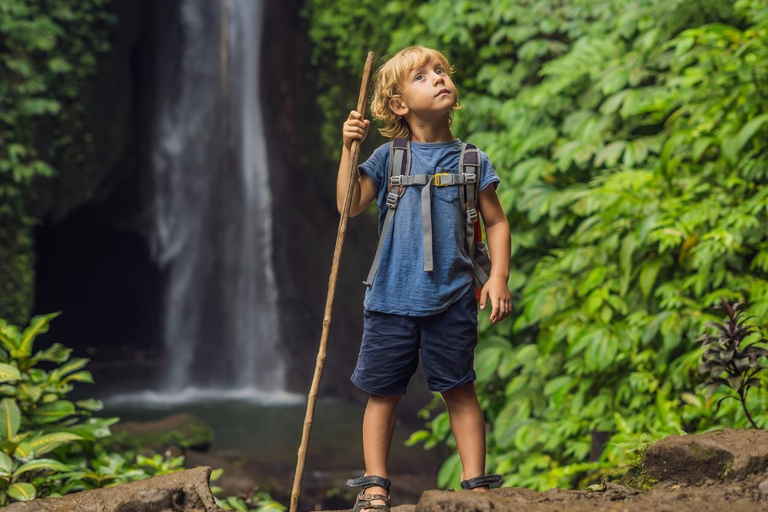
430,132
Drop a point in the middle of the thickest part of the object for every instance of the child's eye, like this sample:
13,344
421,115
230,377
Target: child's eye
440,71
418,77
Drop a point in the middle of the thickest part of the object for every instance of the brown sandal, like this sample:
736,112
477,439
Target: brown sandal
364,501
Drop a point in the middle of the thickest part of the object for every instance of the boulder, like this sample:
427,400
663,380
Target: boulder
183,491
182,429
722,455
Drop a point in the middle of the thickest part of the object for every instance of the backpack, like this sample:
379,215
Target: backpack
399,177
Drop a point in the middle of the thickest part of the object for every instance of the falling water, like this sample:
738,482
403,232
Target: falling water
258,363
213,222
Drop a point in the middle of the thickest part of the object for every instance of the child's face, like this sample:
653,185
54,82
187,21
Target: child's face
427,92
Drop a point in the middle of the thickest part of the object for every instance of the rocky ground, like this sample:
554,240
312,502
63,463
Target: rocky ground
718,471
723,471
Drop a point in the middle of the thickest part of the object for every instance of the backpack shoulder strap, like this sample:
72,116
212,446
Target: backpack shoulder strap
399,165
469,164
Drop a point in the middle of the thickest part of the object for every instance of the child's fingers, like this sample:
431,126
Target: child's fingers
483,297
495,308
356,125
503,310
353,131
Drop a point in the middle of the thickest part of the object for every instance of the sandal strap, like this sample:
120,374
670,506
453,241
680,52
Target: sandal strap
370,481
480,481
369,497
364,501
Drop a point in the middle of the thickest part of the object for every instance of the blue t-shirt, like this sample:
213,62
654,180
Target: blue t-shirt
401,285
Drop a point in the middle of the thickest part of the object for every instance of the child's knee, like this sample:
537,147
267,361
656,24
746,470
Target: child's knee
385,399
460,394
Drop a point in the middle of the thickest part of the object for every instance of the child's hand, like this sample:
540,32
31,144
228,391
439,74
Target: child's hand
501,300
355,127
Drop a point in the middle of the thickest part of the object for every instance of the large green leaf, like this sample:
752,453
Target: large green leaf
24,452
83,376
22,492
30,392
649,271
733,145
8,373
53,411
10,418
6,465
10,337
37,325
90,404
93,428
48,442
70,366
38,464
56,353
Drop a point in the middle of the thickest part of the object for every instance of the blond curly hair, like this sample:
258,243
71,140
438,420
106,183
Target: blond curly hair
387,81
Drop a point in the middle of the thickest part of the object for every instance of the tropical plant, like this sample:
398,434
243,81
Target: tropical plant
256,501
35,417
631,138
731,362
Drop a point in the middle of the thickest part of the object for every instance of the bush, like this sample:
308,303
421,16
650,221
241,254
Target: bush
631,138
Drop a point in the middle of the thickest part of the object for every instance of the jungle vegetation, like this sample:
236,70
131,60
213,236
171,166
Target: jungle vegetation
631,138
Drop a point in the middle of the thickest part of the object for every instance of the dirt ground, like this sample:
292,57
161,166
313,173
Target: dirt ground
720,471
745,496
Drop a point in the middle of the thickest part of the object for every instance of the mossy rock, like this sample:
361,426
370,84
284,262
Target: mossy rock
184,430
637,478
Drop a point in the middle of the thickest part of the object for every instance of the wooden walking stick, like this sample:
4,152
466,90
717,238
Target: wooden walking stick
353,156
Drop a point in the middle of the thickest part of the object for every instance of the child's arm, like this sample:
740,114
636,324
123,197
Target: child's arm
363,191
499,248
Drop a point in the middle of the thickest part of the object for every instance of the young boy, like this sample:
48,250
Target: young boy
406,307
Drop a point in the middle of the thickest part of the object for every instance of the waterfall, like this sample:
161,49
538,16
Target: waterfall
212,231
258,364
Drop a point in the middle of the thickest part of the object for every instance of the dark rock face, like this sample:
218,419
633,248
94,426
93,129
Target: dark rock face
93,256
184,491
724,455
304,187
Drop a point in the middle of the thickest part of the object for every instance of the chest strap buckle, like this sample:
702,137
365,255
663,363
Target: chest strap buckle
442,179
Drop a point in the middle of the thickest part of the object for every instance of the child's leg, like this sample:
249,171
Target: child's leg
468,428
378,427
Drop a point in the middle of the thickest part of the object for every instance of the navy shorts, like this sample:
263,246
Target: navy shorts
389,353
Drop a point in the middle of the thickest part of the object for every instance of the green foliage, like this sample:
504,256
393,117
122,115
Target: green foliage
731,362
256,501
346,32
47,55
38,425
631,138
50,446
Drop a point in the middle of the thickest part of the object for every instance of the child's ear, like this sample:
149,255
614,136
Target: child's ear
398,107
